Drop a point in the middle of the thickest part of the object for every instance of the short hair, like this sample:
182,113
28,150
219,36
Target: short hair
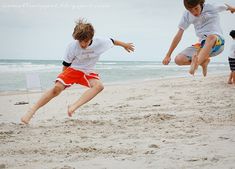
83,30
232,33
192,3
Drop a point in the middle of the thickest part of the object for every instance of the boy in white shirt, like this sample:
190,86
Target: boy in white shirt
78,67
231,59
205,18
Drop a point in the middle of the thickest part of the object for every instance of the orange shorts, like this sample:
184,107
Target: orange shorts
71,76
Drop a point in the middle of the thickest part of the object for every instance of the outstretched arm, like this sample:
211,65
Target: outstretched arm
129,47
230,8
174,44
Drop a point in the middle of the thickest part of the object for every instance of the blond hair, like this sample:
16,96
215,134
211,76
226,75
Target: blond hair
83,30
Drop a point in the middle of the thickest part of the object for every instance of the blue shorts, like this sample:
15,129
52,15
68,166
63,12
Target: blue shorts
216,50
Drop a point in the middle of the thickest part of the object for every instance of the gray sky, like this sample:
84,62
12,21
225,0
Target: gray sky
41,29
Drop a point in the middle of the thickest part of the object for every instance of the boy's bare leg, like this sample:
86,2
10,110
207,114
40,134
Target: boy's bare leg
204,66
203,53
96,87
230,78
46,97
194,65
233,77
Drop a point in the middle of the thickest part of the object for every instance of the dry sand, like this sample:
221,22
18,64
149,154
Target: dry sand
178,123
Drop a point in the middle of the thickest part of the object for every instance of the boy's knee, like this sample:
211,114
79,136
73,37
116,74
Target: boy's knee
178,60
99,87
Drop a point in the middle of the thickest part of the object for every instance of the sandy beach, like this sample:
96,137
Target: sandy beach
176,123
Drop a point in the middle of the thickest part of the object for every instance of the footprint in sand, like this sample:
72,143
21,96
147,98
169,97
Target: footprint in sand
224,138
64,167
6,134
153,146
2,166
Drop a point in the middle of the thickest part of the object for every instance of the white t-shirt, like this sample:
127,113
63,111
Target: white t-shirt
207,23
85,59
232,50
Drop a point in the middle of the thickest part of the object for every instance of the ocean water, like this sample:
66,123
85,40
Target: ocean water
14,72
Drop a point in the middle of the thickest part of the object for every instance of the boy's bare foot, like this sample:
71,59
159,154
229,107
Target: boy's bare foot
70,111
230,82
194,65
204,67
27,117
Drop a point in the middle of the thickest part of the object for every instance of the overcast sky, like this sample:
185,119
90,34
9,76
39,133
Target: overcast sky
41,29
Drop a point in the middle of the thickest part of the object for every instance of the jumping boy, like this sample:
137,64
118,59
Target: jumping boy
231,59
78,67
205,18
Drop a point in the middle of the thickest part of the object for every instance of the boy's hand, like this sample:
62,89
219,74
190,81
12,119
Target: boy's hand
166,60
129,47
230,8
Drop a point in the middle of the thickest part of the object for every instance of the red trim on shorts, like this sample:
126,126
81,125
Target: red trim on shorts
71,76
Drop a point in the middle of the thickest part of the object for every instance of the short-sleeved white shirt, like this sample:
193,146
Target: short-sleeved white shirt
232,50
207,23
85,59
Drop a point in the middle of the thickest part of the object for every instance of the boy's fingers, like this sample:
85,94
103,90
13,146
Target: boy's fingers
127,50
131,44
130,49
